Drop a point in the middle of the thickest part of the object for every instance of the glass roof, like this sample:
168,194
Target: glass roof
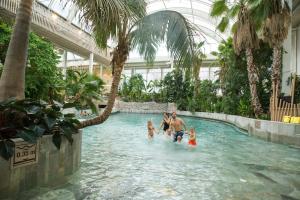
197,11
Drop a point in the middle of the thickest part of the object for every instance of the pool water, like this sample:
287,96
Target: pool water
119,162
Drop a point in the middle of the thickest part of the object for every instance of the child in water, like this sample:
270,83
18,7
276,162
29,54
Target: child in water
151,129
192,138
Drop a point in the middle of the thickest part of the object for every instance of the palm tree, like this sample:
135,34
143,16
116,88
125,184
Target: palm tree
126,21
105,14
145,33
12,82
245,38
197,62
275,28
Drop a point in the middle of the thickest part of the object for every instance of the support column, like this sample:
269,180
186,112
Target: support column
161,73
287,67
65,64
91,63
101,71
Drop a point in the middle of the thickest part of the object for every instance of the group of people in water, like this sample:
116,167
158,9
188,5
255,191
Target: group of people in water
173,126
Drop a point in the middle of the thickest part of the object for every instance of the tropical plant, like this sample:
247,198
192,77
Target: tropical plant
206,99
271,17
146,32
104,15
197,62
43,80
178,87
154,88
5,35
275,29
83,90
126,21
245,38
233,79
42,74
134,88
31,119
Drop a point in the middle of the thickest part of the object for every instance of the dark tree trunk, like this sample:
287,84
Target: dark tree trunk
276,71
119,58
253,79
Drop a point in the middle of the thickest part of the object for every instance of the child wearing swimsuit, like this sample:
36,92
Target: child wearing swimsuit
192,138
151,129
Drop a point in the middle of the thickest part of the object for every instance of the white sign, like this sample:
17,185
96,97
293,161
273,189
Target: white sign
25,153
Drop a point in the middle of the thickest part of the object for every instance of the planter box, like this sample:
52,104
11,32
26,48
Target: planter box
50,167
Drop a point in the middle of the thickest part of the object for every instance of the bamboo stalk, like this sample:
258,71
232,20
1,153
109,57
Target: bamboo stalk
271,109
289,109
278,111
282,111
279,114
275,108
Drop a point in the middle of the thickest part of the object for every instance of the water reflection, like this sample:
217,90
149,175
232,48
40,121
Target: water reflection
118,162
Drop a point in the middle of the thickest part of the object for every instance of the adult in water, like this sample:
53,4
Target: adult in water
166,123
177,124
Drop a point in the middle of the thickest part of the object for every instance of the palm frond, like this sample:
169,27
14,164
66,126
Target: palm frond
234,10
218,8
137,9
223,24
276,26
245,35
166,26
105,15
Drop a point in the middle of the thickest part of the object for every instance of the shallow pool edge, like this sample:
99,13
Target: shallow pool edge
277,132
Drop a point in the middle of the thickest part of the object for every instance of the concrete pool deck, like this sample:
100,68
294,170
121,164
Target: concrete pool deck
277,132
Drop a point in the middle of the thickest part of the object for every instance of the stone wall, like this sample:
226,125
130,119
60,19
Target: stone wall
144,107
53,167
277,132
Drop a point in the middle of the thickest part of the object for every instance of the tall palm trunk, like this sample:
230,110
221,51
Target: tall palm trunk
253,79
197,87
196,72
120,56
276,71
12,82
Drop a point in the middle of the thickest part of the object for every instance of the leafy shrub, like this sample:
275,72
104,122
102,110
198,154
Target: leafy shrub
134,88
83,90
31,119
42,76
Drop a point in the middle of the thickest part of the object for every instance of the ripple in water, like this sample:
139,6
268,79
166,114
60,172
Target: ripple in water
119,162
